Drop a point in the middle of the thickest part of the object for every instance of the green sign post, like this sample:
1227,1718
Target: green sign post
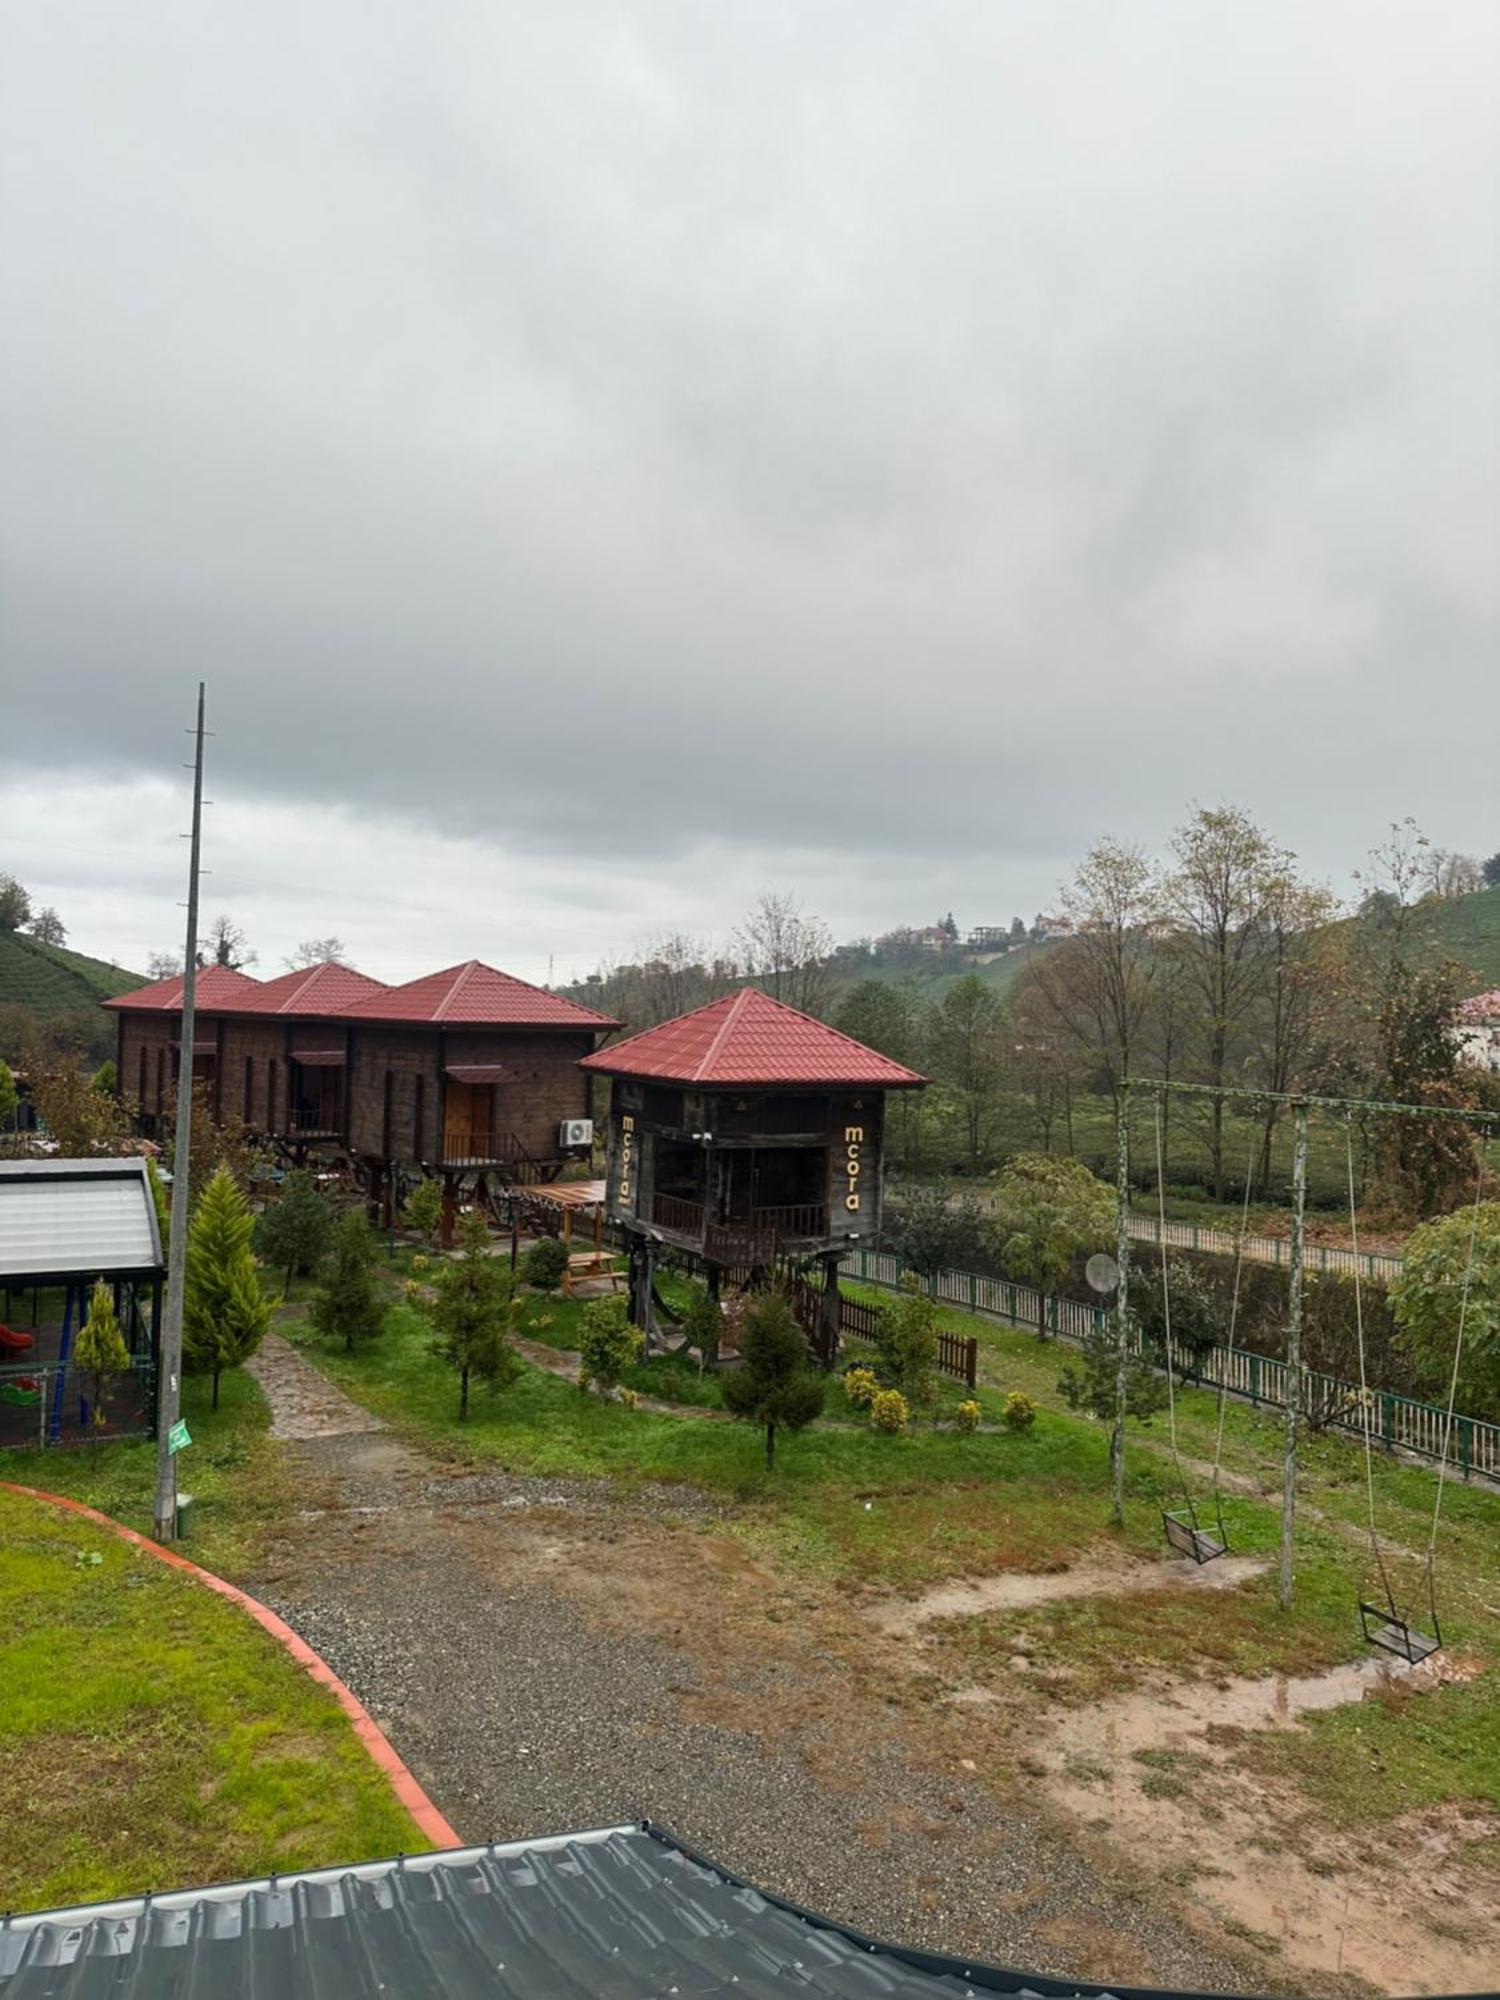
178,1436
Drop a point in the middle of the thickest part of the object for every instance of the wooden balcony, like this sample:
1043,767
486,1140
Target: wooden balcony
313,1121
756,1240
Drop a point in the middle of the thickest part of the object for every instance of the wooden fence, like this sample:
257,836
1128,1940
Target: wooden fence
1396,1421
957,1353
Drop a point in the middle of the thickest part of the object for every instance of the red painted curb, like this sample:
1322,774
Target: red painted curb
402,1783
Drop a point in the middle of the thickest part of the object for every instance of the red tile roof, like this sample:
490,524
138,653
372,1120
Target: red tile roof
475,996
218,989
329,988
749,1038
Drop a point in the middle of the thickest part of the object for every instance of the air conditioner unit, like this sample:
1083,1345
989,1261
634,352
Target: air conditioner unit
575,1132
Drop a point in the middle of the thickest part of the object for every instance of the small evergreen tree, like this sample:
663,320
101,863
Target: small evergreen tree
1088,1380
293,1234
545,1263
907,1338
348,1305
224,1312
703,1328
423,1212
106,1078
775,1386
9,1096
473,1314
607,1343
101,1352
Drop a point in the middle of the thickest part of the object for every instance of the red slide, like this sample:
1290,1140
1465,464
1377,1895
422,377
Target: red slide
12,1342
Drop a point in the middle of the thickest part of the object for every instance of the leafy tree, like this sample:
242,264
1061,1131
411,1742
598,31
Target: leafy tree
224,1312
608,1343
884,1015
473,1314
1427,1298
1196,1318
348,1305
424,1209
906,1336
774,1386
1491,872
1088,1380
101,1352
15,904
107,1078
1046,1213
703,1328
9,1096
47,927
85,1121
930,1232
966,1052
295,1231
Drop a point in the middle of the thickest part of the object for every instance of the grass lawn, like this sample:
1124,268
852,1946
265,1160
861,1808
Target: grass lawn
153,1736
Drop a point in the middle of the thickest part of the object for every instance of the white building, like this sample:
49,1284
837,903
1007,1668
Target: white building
1477,1031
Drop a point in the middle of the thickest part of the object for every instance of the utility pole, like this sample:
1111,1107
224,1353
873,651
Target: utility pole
1122,1301
169,1383
1293,1405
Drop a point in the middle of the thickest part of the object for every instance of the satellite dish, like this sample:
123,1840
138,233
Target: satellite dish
1102,1272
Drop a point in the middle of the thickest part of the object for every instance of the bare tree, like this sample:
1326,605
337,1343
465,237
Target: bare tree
1096,988
227,944
1299,982
315,951
1446,875
674,977
786,952
46,927
1217,895
163,965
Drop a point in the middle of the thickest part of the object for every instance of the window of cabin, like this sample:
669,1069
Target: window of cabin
419,1092
385,1116
271,1095
248,1113
161,1079
140,1080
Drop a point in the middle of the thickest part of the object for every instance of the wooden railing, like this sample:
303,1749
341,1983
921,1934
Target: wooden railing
671,1211
480,1149
802,1222
313,1122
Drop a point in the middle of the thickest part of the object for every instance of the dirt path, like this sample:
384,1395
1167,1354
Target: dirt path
551,1654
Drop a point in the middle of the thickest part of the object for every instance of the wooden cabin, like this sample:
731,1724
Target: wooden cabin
746,1134
467,1072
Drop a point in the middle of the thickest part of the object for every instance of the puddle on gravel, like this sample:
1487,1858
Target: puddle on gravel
1018,1592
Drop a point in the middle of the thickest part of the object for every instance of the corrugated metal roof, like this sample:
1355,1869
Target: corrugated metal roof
749,1038
218,988
621,1914
476,995
84,1217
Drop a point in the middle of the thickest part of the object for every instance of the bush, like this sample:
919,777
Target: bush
608,1343
860,1386
906,1335
703,1328
545,1263
423,1212
890,1411
969,1414
774,1386
1019,1413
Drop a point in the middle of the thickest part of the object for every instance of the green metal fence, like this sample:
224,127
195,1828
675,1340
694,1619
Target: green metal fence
1398,1422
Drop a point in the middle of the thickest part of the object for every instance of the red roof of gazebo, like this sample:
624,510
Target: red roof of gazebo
474,995
749,1038
219,989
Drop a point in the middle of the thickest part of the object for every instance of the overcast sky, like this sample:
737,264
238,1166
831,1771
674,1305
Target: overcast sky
605,456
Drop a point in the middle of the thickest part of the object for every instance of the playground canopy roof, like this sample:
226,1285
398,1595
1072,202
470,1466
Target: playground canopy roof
623,1911
747,1038
64,1219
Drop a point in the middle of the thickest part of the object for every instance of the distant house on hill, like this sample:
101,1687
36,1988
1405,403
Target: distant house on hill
1477,1031
467,1073
1047,930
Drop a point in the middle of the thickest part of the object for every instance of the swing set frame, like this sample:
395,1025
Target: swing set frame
1383,1627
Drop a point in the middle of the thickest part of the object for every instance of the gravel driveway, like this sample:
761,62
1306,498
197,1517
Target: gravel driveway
551,1655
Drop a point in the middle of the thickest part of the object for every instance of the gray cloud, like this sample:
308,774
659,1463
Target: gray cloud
890,444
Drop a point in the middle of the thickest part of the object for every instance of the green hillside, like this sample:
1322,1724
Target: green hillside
1469,927
58,992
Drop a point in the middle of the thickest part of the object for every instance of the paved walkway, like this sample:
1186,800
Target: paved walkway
552,1654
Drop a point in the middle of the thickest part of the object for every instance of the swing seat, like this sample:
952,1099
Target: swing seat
1392,1634
1184,1535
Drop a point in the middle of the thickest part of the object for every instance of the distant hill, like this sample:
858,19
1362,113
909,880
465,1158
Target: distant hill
932,977
61,991
1469,927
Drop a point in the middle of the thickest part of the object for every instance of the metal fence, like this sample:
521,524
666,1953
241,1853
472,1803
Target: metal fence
47,1404
1267,1249
1397,1421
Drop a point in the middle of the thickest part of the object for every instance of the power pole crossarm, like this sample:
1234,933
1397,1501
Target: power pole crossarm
169,1384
